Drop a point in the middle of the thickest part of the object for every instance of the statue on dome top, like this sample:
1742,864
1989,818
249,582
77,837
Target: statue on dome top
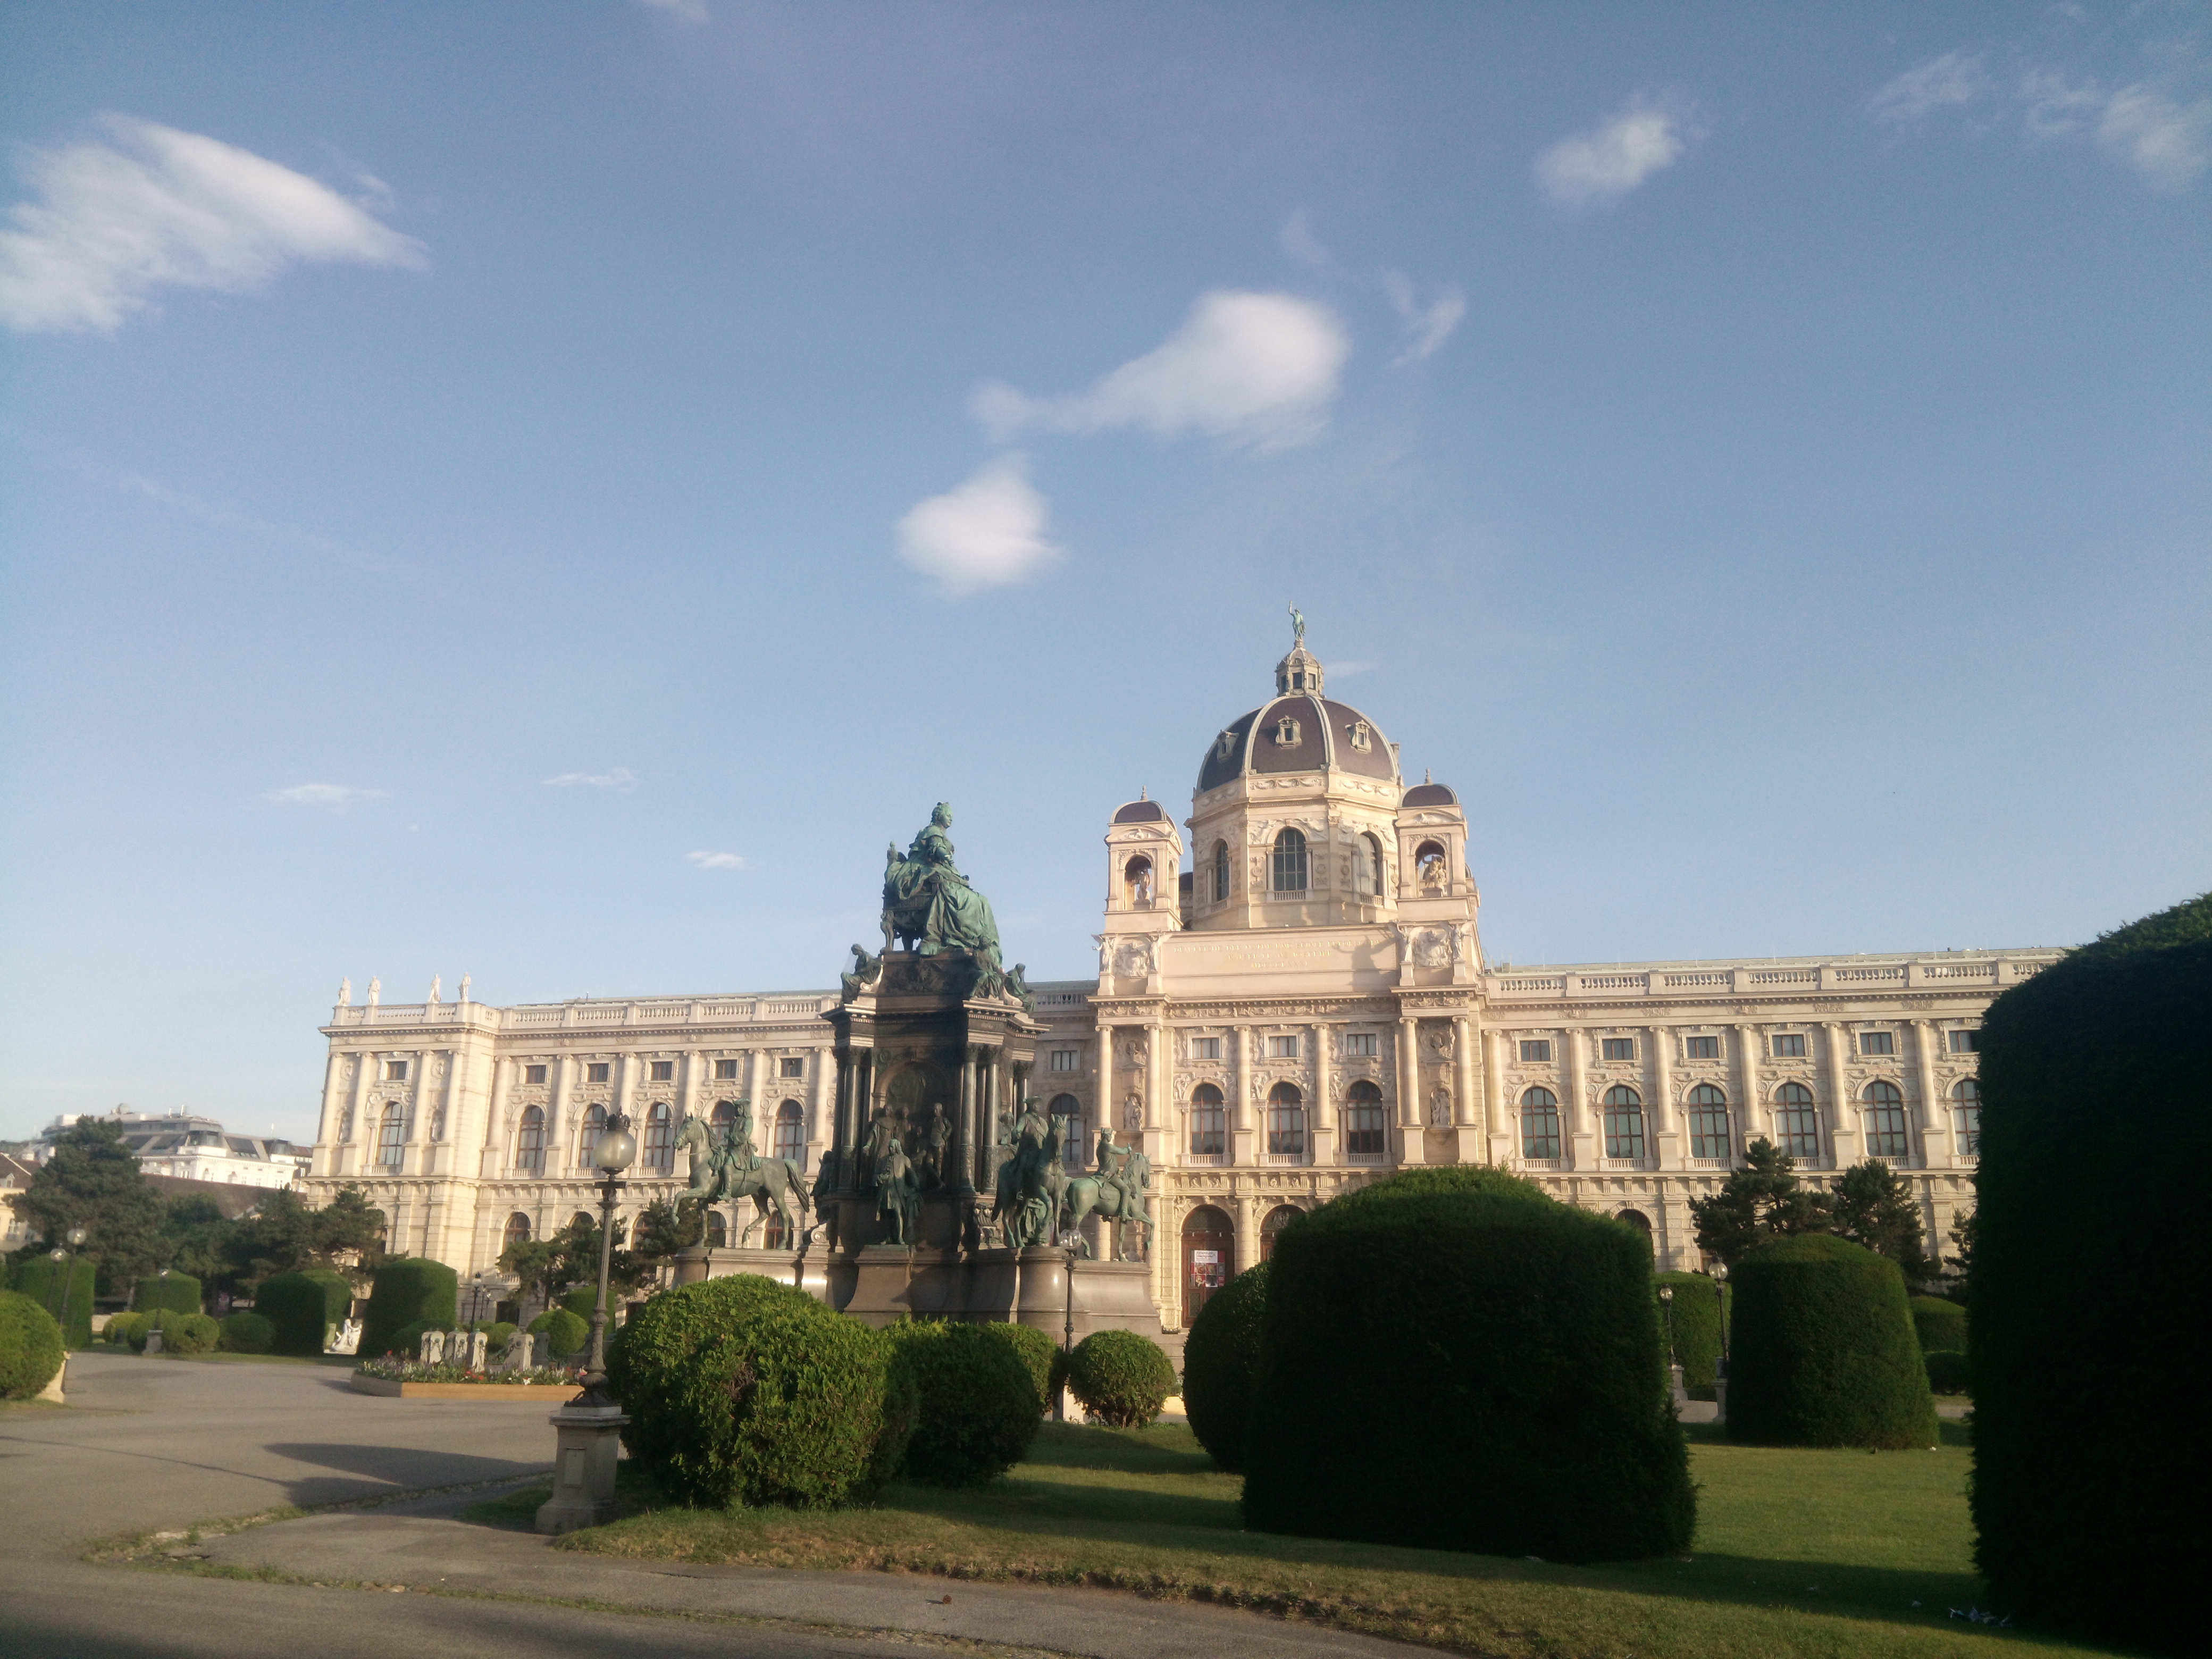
1299,624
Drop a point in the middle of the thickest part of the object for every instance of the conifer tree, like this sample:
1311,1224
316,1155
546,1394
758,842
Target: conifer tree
1874,1206
1760,1201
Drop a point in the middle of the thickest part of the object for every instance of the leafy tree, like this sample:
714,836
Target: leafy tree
1761,1202
540,1265
93,1182
285,1236
1874,1206
1962,1249
199,1239
547,1266
666,1226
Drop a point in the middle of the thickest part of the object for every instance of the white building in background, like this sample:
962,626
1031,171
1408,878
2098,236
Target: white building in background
1304,1008
187,1147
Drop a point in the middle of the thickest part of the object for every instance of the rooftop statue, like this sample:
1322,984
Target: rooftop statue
927,902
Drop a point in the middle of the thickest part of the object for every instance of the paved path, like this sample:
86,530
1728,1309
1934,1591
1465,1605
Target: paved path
150,1445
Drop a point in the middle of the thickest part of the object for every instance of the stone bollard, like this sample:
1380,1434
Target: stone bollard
475,1358
433,1349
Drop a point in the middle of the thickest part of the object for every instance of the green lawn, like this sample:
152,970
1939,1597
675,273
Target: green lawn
1798,1553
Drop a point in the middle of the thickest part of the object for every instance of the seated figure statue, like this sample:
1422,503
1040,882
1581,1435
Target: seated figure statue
927,902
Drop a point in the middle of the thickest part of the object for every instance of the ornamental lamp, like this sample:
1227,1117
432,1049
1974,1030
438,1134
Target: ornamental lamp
615,1150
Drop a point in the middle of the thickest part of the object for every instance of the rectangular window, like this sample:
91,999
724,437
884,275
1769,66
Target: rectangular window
533,1074
1877,1043
1704,1048
595,1071
1282,1048
1206,1047
725,1070
1064,1059
1965,1042
792,1066
1620,1048
1359,1045
1538,1050
1788,1045
663,1071
395,1071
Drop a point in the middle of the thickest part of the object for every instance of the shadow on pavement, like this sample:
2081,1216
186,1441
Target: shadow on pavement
400,1467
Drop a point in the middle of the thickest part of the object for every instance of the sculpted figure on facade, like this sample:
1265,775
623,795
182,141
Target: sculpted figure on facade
927,904
936,1139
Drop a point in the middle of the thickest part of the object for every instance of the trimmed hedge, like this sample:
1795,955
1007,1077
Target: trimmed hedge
30,1346
1822,1351
1696,1314
565,1333
246,1332
39,1278
2097,1123
1218,1358
127,1330
1120,1378
187,1333
585,1297
1036,1352
745,1391
978,1402
175,1291
305,1307
412,1290
1938,1323
1452,1360
1946,1371
496,1336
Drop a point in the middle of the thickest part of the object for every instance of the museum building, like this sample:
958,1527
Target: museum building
1305,1007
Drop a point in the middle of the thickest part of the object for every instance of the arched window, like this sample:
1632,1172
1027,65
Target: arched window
1624,1122
1709,1124
392,1136
1539,1124
517,1233
1209,1257
1286,1121
530,1143
595,1124
1797,1121
1071,1148
1429,866
1221,873
1885,1111
659,1137
1209,1122
1271,1228
791,1131
1290,862
1639,1220
1366,1131
718,1230
1366,866
581,1223
1136,883
1967,1114
724,1114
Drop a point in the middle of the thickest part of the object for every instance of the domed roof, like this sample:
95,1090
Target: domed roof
1300,731
1146,811
1430,794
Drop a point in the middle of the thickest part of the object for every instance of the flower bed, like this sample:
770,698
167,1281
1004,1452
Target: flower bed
392,1375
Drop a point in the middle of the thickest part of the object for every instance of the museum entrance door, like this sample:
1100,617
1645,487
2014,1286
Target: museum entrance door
1209,1257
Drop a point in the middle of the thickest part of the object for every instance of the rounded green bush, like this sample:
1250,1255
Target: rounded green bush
1946,1371
407,1291
187,1333
1036,1351
405,1343
1939,1324
565,1333
246,1332
1219,1359
30,1346
2097,1122
1451,1360
173,1292
742,1390
305,1307
125,1330
1822,1350
1120,1377
978,1403
584,1298
497,1334
1695,1317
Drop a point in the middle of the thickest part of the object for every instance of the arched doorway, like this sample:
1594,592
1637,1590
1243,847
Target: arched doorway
1209,1257
1640,1221
1277,1218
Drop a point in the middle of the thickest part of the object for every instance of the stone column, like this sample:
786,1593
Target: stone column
1247,1231
502,1079
1473,1145
1935,1121
1748,1043
1581,1140
1323,1130
333,1112
1666,1117
1240,1108
563,1080
963,1111
689,1070
1842,1113
1497,1110
1412,1142
824,1061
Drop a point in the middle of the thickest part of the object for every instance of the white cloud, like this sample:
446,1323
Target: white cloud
1591,169
1251,368
111,223
331,797
988,532
1428,326
2168,143
621,778
714,860
1952,82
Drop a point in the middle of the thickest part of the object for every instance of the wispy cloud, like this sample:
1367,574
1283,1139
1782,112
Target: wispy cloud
684,11
2163,131
1427,326
110,224
1346,669
329,797
1245,368
987,533
714,860
1299,241
621,778
1648,135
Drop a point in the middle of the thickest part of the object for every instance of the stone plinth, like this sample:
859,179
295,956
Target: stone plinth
702,1262
589,1440
881,1283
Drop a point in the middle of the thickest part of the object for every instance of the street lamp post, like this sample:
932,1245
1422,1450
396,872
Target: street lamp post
1673,1364
1720,1374
588,1429
65,1260
1071,1244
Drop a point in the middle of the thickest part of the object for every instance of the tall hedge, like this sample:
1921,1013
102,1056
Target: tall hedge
979,1402
39,1278
1695,1312
30,1346
1036,1352
1452,1360
304,1307
175,1291
1822,1351
2089,1234
409,1290
1218,1358
742,1390
1940,1324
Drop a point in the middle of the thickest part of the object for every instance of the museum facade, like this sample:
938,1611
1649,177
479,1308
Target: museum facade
1305,1007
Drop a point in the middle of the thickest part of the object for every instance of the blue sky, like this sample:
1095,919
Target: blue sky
547,492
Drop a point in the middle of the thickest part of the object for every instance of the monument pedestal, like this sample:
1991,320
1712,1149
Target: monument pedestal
882,1284
702,1262
589,1440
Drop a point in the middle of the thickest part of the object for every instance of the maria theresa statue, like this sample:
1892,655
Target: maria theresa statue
928,903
